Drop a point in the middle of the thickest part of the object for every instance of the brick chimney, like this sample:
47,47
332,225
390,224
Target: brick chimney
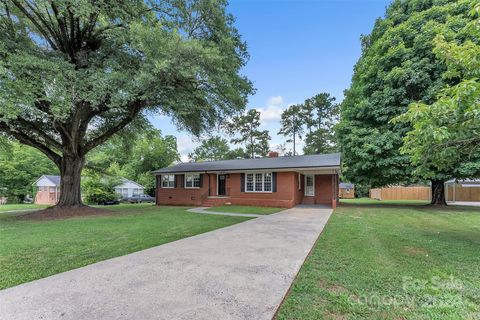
273,154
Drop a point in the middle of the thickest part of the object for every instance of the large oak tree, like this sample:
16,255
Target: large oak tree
445,135
74,73
398,66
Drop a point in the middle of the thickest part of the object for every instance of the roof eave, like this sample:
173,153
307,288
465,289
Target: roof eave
312,168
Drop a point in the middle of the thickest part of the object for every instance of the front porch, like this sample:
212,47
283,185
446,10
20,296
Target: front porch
284,188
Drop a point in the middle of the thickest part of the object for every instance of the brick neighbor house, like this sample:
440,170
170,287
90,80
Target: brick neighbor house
48,190
272,181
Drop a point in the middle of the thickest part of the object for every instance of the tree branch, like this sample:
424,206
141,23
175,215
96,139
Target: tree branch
36,24
135,108
32,127
27,139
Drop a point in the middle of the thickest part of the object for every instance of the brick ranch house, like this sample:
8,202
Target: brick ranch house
272,181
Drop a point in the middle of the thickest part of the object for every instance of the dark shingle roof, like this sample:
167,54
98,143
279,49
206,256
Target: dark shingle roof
292,162
345,185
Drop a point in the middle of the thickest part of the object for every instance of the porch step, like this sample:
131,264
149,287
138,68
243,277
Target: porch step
215,201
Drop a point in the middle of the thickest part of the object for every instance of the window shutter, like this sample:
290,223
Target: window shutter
158,181
182,181
201,180
274,182
175,181
242,182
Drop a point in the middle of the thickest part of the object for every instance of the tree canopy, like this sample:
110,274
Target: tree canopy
321,115
215,148
73,75
445,136
398,66
20,167
134,158
291,124
246,129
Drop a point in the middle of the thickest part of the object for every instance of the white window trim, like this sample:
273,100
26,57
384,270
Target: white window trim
313,187
263,181
161,181
185,180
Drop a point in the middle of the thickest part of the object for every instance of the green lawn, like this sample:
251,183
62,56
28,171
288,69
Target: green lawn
245,209
368,201
31,250
391,263
21,206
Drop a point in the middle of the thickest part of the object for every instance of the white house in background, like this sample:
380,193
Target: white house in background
48,189
129,188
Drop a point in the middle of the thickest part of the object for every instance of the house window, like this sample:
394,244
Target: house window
258,182
267,182
168,181
347,190
249,182
192,181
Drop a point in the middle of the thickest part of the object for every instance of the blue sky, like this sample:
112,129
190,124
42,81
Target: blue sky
297,49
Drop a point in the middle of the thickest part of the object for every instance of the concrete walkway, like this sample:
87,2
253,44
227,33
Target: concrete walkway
203,210
238,272
465,203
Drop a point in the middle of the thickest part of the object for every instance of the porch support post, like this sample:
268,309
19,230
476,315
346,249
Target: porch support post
209,188
334,191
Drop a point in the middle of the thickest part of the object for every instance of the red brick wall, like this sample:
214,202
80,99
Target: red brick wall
47,197
284,197
180,195
323,189
287,194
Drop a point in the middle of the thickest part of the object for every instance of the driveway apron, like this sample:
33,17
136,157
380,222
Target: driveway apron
238,272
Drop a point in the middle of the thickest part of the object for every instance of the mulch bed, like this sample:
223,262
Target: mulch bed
54,213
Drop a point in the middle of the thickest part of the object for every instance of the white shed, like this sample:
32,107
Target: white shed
129,188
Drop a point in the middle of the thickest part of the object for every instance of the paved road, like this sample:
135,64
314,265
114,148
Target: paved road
238,272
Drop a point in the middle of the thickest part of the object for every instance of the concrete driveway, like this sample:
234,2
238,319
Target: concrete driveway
238,272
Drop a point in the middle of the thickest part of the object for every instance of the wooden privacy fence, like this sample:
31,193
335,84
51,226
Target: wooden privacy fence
401,193
456,192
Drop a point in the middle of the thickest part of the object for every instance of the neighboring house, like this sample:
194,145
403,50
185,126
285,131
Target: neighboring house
273,181
48,190
129,188
462,190
346,190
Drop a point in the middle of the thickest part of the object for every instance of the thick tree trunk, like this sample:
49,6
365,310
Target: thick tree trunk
70,173
438,193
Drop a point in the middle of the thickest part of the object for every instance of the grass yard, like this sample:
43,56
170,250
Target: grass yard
245,209
20,206
366,201
31,250
389,262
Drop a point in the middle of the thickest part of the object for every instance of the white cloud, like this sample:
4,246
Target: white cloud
185,145
272,112
275,101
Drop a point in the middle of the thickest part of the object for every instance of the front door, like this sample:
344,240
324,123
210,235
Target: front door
309,185
221,184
